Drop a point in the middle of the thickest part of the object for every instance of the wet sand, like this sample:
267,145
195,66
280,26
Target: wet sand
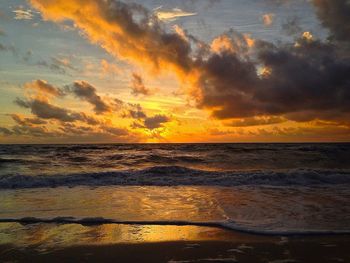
53,243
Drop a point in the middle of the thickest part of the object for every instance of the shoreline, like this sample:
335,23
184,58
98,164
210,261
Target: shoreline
174,244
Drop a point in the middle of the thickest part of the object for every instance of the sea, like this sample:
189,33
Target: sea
262,188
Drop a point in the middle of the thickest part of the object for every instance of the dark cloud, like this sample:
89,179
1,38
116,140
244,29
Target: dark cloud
256,121
335,15
27,121
136,112
306,76
155,122
309,75
318,133
85,91
70,132
138,87
45,110
71,129
25,127
35,131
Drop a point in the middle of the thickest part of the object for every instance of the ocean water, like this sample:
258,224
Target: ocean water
259,188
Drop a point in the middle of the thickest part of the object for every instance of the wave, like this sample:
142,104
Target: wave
177,176
228,225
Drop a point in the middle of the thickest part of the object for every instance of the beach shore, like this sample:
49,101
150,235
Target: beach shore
55,243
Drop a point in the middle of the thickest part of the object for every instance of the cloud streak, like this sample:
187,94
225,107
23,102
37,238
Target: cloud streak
22,14
171,15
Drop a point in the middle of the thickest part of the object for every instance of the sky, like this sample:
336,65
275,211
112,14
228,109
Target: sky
107,71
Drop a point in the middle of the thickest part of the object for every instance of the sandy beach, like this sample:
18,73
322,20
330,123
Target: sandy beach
102,243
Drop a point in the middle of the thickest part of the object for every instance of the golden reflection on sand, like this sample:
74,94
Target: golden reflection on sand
56,235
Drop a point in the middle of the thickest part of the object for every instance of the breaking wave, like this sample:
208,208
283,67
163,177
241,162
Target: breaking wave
181,176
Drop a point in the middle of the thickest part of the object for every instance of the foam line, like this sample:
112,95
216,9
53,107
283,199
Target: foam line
228,225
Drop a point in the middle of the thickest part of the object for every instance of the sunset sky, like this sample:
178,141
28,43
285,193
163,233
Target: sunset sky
98,71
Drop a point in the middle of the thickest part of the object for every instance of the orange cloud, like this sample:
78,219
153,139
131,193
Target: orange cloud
43,89
268,19
111,25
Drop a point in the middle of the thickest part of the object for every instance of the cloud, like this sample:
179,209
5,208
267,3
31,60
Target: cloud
156,121
256,121
136,112
114,26
22,14
335,15
86,91
35,131
232,42
143,121
171,15
45,110
42,86
308,75
138,87
53,123
268,19
27,121
316,133
57,64
70,132
116,131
